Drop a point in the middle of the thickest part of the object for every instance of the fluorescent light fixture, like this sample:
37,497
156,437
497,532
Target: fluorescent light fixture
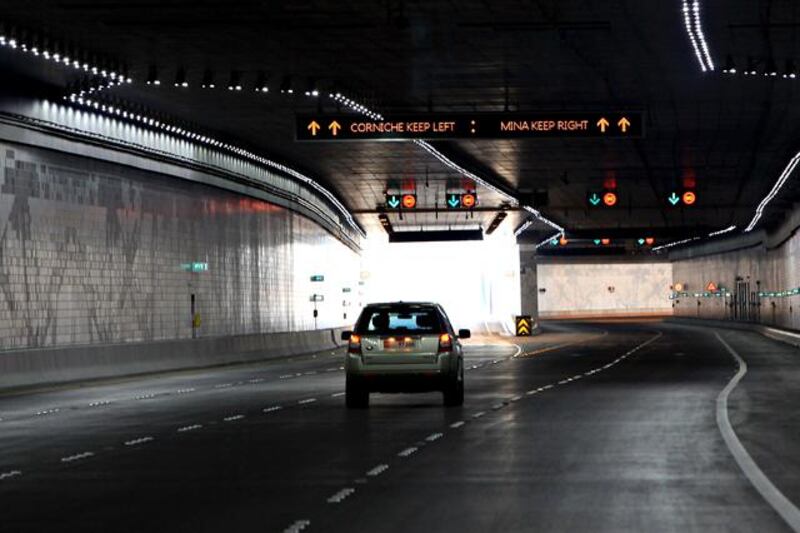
782,179
694,29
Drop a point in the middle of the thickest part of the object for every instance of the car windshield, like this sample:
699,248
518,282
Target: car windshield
391,321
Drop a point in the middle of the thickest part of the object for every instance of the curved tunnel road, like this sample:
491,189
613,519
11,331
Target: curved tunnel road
591,427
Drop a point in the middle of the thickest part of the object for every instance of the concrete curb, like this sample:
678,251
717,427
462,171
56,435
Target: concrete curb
52,366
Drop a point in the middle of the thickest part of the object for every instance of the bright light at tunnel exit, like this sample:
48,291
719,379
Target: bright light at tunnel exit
477,282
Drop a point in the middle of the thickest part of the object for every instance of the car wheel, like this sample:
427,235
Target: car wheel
454,390
356,397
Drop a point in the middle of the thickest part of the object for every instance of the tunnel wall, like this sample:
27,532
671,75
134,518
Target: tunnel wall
93,253
768,266
601,288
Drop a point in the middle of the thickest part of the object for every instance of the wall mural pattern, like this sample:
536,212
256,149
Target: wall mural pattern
92,252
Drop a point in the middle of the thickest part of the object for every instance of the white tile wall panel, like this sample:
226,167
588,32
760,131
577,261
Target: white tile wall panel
91,252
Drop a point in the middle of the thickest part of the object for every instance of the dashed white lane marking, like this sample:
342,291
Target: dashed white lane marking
286,376
272,409
136,442
434,437
77,457
337,394
297,526
456,425
45,412
233,418
497,406
256,380
408,451
311,373
185,391
306,401
193,427
341,495
378,470
9,475
145,396
99,403
478,414
788,511
223,386
515,398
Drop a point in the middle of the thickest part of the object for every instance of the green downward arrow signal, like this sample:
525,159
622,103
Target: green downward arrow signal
641,242
674,199
597,242
594,200
454,200
393,202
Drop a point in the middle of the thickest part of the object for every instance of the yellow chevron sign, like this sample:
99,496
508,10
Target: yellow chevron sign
523,326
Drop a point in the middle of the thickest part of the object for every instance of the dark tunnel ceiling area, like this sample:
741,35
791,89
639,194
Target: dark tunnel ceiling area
731,134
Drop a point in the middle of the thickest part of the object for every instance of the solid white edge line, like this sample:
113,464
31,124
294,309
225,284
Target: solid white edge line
782,505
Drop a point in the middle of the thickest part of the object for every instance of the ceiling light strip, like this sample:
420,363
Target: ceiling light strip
784,177
45,53
549,240
241,152
693,239
698,29
688,24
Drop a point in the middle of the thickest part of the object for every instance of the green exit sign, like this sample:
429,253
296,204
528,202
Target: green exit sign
194,267
317,277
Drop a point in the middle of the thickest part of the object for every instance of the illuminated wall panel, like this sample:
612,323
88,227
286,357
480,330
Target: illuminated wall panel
92,252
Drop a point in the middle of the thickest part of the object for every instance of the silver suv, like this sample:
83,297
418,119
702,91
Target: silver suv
404,347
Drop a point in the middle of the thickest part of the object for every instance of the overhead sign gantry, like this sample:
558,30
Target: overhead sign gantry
440,126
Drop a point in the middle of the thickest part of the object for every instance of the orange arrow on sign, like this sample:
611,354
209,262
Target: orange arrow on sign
711,287
335,127
314,128
602,124
623,124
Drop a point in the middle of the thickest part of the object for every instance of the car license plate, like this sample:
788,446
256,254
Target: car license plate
393,343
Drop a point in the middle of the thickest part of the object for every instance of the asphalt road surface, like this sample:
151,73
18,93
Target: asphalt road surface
588,427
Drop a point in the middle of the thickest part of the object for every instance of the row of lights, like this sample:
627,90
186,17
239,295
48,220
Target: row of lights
235,83
770,69
694,29
62,58
145,120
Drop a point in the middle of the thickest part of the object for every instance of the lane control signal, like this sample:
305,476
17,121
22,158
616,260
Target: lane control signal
468,200
610,199
684,198
401,201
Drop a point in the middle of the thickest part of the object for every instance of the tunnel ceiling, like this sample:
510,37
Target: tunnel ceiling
733,134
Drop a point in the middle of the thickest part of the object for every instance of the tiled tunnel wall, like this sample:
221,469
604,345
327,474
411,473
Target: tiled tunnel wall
571,289
92,252
752,271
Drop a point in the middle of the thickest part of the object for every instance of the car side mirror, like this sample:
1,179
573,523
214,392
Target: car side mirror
346,335
464,334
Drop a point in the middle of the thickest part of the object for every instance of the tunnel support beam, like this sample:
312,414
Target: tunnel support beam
529,288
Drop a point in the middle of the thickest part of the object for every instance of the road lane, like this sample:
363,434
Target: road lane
610,432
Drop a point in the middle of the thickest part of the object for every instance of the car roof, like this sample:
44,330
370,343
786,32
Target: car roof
403,304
